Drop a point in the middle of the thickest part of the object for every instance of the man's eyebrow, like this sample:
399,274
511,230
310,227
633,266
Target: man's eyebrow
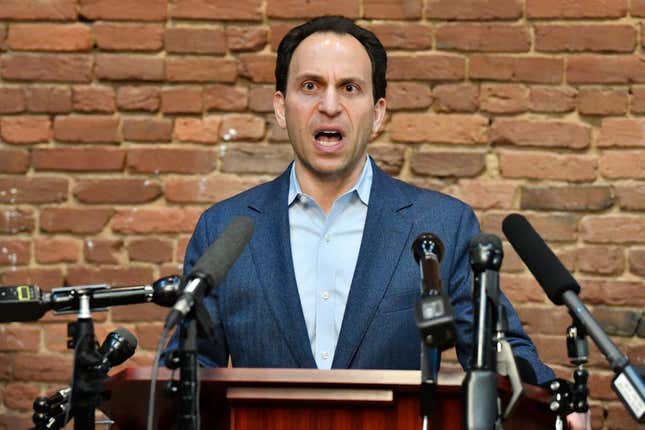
319,78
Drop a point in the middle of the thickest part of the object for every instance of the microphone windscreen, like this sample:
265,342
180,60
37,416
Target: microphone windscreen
427,243
485,252
550,273
220,256
118,346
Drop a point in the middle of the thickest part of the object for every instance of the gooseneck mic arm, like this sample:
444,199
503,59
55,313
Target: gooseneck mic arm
562,288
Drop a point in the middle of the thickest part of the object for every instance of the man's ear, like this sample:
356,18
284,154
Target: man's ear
379,116
278,109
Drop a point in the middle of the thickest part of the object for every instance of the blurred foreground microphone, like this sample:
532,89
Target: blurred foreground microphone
30,303
49,412
433,312
561,288
211,268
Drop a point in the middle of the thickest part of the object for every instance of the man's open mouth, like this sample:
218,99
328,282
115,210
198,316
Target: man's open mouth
328,137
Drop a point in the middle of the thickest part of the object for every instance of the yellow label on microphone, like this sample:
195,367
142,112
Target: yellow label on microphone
25,292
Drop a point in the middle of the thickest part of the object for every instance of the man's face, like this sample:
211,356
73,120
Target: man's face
329,111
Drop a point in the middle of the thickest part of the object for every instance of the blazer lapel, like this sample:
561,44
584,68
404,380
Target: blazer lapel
271,251
384,237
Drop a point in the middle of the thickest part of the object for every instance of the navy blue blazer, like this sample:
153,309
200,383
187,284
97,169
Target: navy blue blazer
257,311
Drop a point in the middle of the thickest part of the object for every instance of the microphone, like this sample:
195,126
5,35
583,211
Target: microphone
211,268
433,312
23,303
561,288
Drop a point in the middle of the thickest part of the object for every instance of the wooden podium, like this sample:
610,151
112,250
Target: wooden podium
301,399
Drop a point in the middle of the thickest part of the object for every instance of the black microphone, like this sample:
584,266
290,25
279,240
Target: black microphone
211,268
433,312
561,288
23,303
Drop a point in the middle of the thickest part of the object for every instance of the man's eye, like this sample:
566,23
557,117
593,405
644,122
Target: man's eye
309,86
351,88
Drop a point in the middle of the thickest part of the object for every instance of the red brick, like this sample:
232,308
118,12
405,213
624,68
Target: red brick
49,99
117,190
78,159
405,95
638,8
407,36
545,320
171,160
146,312
596,101
195,40
276,133
567,198
576,38
242,127
638,100
552,227
128,37
391,9
200,69
459,129
277,30
600,260
613,228
484,37
607,291
247,10
388,157
44,278
3,38
182,244
20,396
604,69
436,67
254,158
14,161
436,163
152,221
474,9
618,418
151,250
576,9
57,250
87,129
533,165
206,190
121,67
630,197
623,164
520,288
246,38
16,220
140,10
47,67
622,132
49,37
73,220
50,10
19,337
12,100
485,194
517,69
93,99
25,129
102,251
504,98
259,68
306,9
260,98
21,189
138,98
197,130
181,100
14,252
551,134
456,97
553,99
429,183
113,276
148,334
146,129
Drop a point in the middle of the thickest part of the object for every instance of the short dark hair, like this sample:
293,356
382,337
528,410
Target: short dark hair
338,25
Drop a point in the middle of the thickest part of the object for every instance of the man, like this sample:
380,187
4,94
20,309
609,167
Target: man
328,279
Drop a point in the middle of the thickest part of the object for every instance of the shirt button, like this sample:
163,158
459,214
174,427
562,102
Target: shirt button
325,295
325,356
327,237
304,199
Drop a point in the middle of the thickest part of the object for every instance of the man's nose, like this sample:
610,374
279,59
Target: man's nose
330,103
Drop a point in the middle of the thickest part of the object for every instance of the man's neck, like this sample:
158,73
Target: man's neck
326,190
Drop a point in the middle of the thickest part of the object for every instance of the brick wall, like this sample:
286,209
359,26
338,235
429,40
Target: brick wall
120,121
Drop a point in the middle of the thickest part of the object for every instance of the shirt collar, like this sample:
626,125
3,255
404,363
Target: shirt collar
362,187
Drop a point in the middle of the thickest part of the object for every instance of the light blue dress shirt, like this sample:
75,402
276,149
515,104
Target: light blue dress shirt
325,250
